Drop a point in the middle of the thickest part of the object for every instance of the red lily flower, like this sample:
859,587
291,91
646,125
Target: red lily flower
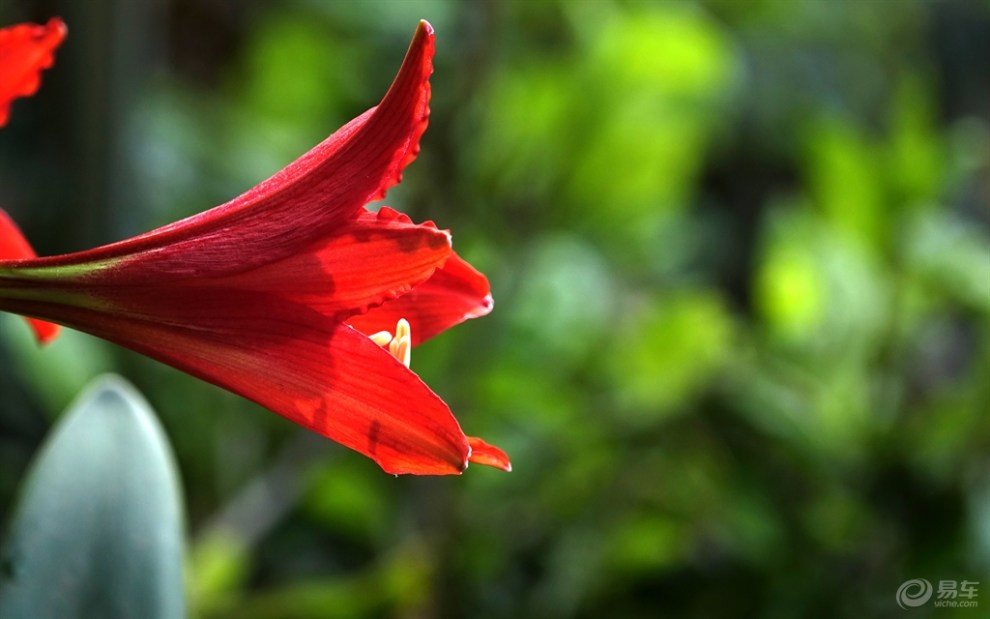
288,294
25,49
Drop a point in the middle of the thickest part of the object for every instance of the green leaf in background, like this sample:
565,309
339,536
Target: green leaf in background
667,351
842,166
98,532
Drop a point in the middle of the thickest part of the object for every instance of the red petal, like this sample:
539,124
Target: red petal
318,373
452,295
13,246
25,50
489,455
374,258
299,205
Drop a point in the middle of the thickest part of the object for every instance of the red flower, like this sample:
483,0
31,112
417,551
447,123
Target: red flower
281,295
25,49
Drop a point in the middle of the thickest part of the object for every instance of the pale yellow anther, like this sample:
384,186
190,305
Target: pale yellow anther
382,338
399,345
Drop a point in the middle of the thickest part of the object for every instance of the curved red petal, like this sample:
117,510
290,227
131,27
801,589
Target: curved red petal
299,205
13,246
316,372
489,455
367,261
456,292
412,82
26,50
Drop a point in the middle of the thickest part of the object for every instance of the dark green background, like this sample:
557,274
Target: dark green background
740,252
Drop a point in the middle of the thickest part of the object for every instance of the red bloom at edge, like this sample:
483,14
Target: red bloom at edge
25,50
292,295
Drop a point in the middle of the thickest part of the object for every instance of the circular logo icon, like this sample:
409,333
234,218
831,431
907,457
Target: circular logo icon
914,593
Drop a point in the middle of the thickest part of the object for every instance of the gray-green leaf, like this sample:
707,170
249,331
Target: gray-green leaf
98,531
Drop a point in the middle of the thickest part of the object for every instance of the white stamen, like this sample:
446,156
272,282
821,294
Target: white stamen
400,345
382,338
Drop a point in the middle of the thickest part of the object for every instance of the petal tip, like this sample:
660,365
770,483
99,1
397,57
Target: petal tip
484,308
488,455
27,50
44,332
57,29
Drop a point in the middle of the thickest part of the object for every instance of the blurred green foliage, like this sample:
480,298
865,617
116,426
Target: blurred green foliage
740,253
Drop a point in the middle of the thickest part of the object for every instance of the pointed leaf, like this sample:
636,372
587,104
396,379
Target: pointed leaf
98,532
